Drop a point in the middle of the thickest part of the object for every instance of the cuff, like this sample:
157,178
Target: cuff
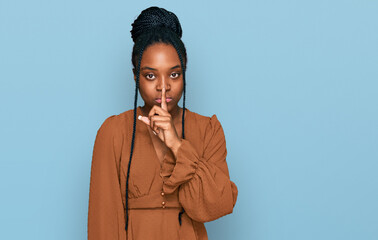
180,170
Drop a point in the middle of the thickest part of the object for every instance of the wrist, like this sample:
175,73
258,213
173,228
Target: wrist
176,147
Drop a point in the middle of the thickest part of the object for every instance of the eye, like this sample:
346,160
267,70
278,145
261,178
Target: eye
175,75
149,76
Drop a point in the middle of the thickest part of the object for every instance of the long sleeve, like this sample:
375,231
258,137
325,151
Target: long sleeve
205,189
106,217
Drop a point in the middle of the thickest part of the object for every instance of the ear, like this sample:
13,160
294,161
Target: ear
134,74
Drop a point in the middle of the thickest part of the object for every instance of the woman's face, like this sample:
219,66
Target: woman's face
160,66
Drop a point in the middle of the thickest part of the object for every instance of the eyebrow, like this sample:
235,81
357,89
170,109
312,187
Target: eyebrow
154,69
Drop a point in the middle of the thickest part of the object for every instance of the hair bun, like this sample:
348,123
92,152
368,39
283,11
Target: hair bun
154,17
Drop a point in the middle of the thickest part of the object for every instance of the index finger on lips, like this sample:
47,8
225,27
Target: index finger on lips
163,98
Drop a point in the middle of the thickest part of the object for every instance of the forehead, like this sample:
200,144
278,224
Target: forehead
160,55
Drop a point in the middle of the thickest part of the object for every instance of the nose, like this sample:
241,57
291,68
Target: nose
163,82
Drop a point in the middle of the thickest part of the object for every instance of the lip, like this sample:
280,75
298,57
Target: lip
168,99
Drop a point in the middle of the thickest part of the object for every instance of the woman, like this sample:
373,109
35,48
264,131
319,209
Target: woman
170,162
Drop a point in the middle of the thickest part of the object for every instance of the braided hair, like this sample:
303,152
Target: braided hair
154,25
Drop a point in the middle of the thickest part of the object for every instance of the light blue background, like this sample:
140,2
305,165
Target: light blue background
294,84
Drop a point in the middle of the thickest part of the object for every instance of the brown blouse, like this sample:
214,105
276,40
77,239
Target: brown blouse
197,180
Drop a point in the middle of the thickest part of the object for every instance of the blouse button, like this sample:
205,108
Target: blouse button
163,207
162,193
163,203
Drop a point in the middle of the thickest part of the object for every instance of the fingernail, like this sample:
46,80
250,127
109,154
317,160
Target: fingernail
154,132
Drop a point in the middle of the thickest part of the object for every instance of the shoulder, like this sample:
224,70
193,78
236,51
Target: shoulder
206,124
205,120
209,124
116,122
211,133
107,126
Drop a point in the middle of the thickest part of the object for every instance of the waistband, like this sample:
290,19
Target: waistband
155,200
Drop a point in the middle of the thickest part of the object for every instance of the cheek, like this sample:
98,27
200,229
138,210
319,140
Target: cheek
179,87
146,89
177,90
